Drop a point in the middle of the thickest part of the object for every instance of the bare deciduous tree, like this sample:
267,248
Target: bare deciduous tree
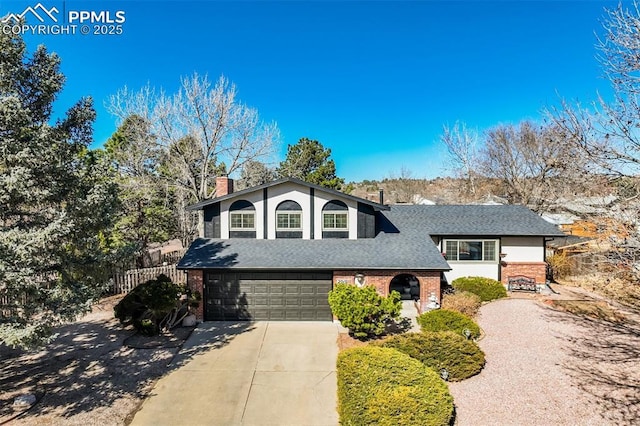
608,133
533,162
218,129
201,131
462,149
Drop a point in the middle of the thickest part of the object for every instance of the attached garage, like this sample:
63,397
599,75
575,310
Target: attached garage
267,295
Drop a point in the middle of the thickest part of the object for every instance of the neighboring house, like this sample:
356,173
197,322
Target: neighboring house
274,251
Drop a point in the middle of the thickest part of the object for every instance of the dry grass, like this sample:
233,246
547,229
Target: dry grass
623,291
594,309
464,302
95,372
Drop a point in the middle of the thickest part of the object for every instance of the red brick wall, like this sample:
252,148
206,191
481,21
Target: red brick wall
224,186
536,270
195,283
429,281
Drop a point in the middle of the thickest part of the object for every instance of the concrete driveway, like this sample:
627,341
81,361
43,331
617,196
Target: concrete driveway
241,373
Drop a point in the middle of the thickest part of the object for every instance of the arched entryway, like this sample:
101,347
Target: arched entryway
407,285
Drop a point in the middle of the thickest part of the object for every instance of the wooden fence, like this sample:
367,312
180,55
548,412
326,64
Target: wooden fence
124,282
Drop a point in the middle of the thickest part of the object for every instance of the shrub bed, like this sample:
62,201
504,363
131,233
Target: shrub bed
362,310
446,320
156,306
383,386
461,358
465,302
486,288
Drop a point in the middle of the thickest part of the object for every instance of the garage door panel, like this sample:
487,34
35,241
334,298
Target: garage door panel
307,315
277,314
259,314
259,301
275,296
293,315
292,289
292,302
276,289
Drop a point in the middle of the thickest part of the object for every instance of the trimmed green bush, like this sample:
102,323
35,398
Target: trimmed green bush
462,358
486,288
446,320
362,310
156,305
464,302
381,386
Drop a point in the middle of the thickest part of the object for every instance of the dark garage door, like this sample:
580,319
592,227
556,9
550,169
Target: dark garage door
274,296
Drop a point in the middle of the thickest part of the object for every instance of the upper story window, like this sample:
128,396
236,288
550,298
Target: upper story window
242,216
471,250
288,216
335,216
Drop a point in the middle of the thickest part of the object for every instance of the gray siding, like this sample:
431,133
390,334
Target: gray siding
366,221
212,221
242,234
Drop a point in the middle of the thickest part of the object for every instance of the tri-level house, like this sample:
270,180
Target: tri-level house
274,251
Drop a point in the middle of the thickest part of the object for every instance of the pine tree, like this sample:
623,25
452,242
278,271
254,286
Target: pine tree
310,161
56,202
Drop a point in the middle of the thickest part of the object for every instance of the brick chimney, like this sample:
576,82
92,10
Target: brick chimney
224,186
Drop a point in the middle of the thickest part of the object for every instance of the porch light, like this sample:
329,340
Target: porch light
359,278
444,374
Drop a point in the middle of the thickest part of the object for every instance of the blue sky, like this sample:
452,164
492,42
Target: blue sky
373,81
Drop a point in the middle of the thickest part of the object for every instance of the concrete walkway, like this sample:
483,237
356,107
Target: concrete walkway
263,373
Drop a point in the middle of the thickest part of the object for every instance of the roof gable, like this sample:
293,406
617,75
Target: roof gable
244,192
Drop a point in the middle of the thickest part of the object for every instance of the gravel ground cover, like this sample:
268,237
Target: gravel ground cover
95,373
546,367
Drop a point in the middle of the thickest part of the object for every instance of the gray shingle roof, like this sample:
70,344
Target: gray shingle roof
474,220
369,253
402,243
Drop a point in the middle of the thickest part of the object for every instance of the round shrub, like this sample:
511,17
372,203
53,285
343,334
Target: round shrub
445,320
362,310
462,358
462,301
486,288
382,386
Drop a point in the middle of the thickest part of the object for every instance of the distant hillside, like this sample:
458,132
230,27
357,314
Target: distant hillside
414,191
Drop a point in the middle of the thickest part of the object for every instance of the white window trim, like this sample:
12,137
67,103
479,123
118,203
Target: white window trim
289,213
251,212
341,212
472,240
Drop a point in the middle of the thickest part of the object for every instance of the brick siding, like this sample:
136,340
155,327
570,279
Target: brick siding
429,281
535,270
195,283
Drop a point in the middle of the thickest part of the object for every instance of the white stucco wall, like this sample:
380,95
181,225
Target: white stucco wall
523,249
253,197
516,249
472,269
322,198
285,192
293,192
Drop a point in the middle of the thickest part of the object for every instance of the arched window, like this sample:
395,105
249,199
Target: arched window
242,219
335,216
335,220
288,216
